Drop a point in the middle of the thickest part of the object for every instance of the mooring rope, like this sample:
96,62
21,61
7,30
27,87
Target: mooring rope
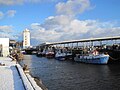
114,58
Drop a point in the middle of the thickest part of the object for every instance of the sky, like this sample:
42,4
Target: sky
59,20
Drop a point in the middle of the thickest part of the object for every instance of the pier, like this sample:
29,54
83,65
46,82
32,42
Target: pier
13,77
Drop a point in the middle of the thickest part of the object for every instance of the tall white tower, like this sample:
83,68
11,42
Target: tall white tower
26,38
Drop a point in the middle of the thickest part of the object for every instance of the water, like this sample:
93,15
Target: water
69,75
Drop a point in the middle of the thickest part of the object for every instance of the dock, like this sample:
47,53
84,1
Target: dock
12,76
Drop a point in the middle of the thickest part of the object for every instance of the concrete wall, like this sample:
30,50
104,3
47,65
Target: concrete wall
4,42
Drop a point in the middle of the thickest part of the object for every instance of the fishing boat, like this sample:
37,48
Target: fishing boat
39,54
50,54
94,58
44,52
62,55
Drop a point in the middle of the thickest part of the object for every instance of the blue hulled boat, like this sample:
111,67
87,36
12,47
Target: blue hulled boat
93,59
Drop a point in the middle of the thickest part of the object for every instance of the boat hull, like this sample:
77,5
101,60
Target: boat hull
50,55
103,59
39,54
61,58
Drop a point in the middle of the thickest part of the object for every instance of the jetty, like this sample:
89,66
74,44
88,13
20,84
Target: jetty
12,76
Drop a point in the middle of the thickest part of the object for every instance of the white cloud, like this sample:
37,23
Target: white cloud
6,28
41,34
19,2
11,2
1,15
72,7
63,28
7,31
11,13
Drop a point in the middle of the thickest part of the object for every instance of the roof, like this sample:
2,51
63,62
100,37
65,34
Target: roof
86,40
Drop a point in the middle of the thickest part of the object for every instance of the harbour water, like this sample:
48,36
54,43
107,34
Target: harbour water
70,75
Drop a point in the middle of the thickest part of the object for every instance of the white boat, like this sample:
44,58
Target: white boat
61,55
92,58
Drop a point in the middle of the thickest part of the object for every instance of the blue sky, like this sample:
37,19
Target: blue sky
59,20
104,10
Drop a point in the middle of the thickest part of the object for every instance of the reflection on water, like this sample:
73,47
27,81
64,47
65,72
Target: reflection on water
69,75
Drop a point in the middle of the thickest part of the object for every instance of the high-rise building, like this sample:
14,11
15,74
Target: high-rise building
26,38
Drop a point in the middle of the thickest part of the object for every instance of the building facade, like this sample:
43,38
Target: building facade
4,47
26,38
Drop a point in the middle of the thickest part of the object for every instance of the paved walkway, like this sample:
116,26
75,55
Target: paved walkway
9,77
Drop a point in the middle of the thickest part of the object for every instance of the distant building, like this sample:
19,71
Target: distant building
4,47
12,43
26,38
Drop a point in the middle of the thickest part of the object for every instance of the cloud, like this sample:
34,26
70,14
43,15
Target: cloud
10,2
7,31
72,7
11,13
20,2
1,15
63,28
6,28
41,34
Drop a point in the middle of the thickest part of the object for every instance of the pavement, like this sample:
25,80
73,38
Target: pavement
9,77
12,76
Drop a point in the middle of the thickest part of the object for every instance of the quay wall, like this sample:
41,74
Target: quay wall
28,81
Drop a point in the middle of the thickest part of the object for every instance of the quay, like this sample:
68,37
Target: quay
12,76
